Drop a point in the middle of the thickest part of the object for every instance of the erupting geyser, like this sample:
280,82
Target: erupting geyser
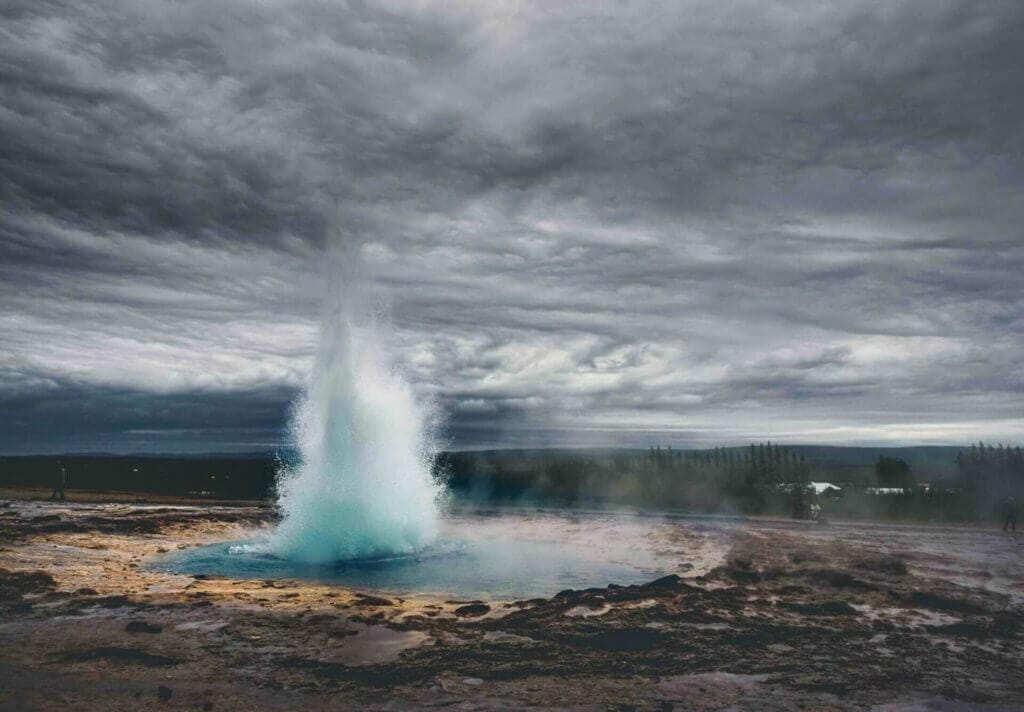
363,486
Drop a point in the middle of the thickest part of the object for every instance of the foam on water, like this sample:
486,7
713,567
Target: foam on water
363,486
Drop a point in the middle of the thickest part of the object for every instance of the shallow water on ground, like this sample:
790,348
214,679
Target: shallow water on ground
970,556
494,555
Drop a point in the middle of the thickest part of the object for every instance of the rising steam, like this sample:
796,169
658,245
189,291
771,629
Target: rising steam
363,486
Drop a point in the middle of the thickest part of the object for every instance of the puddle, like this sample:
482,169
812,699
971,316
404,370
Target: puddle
586,611
500,636
375,644
202,626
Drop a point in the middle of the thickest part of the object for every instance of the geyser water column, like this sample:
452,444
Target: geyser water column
362,487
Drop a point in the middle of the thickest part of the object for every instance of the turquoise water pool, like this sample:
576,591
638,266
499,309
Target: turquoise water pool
496,555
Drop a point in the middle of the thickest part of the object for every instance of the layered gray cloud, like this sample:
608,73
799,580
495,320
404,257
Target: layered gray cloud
614,223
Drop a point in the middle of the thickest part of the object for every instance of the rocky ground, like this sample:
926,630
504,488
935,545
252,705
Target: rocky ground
791,618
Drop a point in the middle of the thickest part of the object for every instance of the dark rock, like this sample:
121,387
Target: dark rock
837,579
14,584
473,610
373,601
964,630
740,575
374,618
86,591
532,602
618,640
120,655
143,627
1006,624
925,599
891,565
164,693
112,601
670,581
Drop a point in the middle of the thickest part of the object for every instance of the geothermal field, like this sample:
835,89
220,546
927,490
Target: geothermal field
122,606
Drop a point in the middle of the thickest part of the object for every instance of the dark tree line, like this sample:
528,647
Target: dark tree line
750,478
761,465
760,478
893,472
734,479
992,473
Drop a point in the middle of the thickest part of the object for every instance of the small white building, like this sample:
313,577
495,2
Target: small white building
886,490
826,489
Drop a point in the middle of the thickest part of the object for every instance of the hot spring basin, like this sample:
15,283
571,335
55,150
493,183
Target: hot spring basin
496,556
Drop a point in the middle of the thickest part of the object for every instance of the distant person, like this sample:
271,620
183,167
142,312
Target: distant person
60,481
1010,514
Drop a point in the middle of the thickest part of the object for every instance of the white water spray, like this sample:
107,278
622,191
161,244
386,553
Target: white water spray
363,486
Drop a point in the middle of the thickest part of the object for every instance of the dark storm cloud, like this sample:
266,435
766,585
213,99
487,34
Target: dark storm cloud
594,222
70,416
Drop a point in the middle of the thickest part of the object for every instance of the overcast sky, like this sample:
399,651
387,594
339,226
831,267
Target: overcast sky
628,222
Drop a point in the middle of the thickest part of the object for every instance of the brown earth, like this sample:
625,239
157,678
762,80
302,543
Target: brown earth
790,619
